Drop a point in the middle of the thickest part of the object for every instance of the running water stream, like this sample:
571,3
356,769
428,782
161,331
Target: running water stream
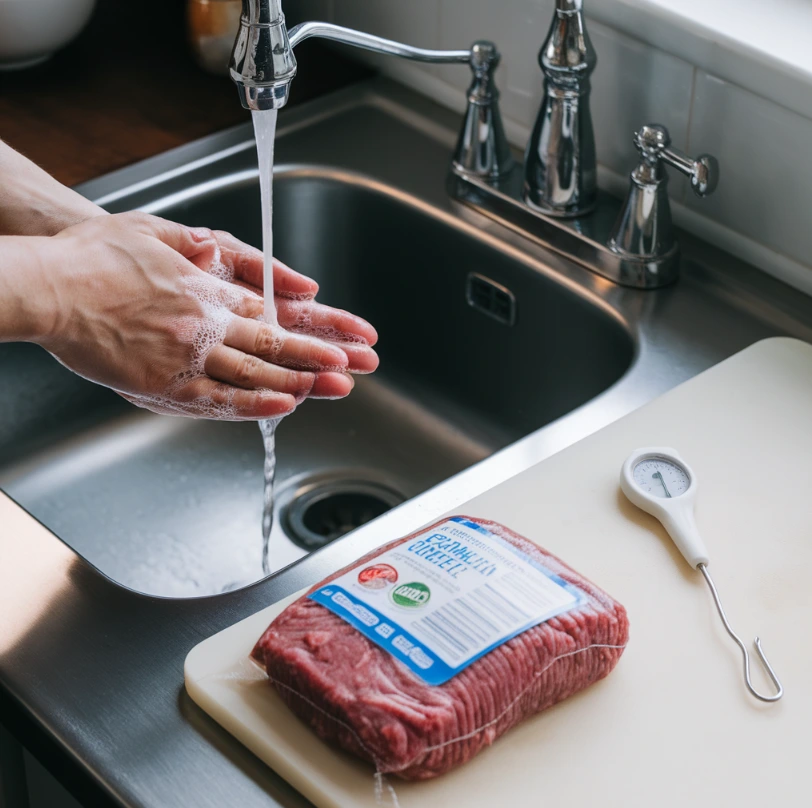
265,132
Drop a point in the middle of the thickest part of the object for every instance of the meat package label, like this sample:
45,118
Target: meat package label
446,597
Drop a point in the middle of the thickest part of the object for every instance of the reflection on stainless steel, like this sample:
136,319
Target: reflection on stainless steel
560,167
644,228
32,605
93,678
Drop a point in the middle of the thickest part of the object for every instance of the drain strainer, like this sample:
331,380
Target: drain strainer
324,512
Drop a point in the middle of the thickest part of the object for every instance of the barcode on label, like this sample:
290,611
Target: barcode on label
477,619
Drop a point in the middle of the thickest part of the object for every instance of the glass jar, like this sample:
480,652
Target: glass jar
212,26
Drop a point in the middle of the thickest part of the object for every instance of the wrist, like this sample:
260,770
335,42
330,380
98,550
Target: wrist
32,203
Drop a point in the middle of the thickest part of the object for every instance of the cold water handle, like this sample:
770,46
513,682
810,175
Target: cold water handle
644,229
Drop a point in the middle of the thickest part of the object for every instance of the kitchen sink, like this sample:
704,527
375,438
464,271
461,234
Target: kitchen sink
496,354
478,349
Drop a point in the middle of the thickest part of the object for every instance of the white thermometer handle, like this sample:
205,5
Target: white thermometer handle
676,514
681,526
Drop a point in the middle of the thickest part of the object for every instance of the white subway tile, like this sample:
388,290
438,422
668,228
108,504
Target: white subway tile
414,21
518,28
635,84
765,190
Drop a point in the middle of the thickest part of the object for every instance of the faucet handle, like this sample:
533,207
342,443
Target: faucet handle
482,149
644,231
654,144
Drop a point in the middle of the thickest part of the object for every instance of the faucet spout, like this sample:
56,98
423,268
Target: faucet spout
262,62
263,67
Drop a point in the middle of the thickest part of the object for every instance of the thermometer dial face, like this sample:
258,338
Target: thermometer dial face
661,478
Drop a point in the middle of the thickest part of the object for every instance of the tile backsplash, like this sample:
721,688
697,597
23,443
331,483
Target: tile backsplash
761,209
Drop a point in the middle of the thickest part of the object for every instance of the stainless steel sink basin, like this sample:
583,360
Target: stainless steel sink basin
478,348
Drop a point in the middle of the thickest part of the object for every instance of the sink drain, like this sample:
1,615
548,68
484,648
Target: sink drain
326,511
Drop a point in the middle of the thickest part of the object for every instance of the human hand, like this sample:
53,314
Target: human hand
296,309
164,314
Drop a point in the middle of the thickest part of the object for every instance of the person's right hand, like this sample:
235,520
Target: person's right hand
132,309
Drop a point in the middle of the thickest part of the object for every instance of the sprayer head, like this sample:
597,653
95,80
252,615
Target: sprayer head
262,62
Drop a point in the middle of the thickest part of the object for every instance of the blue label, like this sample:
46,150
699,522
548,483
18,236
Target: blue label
447,597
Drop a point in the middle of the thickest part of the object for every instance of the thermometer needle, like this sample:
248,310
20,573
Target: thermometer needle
658,475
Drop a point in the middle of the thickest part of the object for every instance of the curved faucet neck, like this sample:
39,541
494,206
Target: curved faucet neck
262,62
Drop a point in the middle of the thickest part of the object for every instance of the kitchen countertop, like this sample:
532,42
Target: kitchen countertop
91,674
109,100
734,424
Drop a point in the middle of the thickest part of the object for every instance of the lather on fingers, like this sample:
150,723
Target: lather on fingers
326,322
249,372
280,347
352,334
203,397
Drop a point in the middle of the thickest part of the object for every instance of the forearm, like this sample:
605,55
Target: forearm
27,293
33,203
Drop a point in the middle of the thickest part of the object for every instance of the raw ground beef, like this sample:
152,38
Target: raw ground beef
357,696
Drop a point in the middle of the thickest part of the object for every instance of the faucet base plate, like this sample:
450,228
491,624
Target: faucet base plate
584,239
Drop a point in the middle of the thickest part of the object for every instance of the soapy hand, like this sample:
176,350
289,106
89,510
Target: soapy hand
167,316
297,311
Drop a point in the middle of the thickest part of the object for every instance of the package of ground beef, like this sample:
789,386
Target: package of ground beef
424,652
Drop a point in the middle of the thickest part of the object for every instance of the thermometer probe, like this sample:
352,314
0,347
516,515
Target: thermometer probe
660,482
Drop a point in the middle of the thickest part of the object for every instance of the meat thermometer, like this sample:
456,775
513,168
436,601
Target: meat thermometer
658,481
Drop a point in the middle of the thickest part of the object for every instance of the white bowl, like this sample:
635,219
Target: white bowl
32,30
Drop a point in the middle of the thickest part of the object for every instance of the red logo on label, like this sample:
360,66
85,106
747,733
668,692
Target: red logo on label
378,576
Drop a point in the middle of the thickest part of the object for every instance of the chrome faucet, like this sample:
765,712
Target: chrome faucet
554,198
644,228
263,66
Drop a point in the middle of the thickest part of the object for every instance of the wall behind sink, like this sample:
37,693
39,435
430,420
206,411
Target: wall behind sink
761,211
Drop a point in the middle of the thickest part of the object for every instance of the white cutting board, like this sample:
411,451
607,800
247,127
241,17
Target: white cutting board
673,724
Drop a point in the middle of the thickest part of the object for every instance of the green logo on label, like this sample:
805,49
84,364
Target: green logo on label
413,595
